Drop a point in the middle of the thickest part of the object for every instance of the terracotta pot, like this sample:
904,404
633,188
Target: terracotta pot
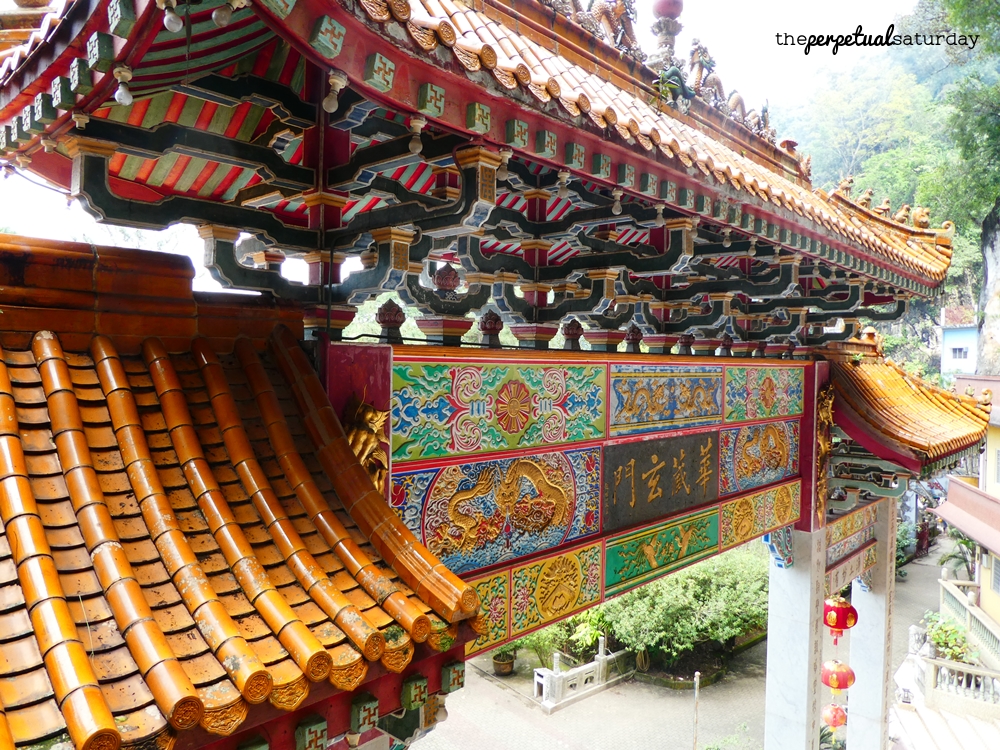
31,3
668,8
503,666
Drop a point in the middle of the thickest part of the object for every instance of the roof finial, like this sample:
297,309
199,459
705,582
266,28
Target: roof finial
666,27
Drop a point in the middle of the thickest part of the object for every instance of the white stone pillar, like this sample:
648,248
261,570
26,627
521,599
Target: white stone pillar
794,647
871,642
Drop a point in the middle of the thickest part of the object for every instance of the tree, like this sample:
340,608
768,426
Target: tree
920,127
963,554
976,17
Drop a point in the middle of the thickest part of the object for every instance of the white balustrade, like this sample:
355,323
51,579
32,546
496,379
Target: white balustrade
556,688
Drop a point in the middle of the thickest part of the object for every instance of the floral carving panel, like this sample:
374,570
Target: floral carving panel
754,515
494,593
473,515
649,398
440,409
758,454
641,556
548,590
754,393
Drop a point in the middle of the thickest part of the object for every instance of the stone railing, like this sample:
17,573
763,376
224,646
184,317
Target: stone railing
961,688
958,599
557,689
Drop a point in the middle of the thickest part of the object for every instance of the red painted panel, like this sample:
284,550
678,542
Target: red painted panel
361,370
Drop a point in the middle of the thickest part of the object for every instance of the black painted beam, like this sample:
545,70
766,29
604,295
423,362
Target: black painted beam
172,138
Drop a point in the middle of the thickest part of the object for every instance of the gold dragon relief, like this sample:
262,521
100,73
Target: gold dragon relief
527,495
766,450
824,446
663,399
365,427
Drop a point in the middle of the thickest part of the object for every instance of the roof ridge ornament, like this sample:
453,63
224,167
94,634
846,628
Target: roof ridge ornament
611,20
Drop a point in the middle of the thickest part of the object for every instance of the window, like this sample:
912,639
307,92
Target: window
960,352
995,574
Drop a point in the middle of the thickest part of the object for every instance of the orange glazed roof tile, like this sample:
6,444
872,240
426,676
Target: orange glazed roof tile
492,38
898,416
180,543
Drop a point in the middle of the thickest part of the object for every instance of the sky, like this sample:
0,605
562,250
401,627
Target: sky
739,35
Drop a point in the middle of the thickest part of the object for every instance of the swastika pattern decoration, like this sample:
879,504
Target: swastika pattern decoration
310,734
430,100
327,37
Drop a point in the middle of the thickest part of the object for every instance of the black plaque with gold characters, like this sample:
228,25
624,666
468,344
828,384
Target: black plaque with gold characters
652,479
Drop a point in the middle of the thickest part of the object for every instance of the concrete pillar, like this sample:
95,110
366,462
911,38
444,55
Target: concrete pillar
871,641
794,647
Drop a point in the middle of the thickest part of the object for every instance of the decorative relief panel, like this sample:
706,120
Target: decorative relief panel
547,590
494,593
440,409
649,398
754,455
754,515
844,548
851,524
652,479
754,393
641,556
858,565
473,515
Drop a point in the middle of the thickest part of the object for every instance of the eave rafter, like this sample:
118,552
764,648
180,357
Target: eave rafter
611,214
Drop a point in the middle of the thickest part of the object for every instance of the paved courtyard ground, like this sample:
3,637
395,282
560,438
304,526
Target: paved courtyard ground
489,714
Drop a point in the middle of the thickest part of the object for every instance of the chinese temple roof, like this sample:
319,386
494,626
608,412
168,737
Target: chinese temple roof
23,28
496,69
900,417
187,530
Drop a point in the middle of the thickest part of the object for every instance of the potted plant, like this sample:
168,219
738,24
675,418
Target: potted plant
503,659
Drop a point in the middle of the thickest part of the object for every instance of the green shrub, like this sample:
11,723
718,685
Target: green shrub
546,641
948,638
715,601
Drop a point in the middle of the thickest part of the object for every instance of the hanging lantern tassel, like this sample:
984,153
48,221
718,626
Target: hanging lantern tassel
834,716
839,615
837,676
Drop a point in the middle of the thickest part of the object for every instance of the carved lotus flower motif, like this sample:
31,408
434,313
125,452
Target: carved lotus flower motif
513,406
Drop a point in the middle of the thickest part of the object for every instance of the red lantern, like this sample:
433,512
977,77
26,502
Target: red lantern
834,716
837,676
839,615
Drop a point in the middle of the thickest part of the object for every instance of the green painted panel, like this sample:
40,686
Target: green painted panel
199,46
299,76
158,106
763,392
220,120
443,409
191,173
189,115
213,182
163,166
277,62
131,167
250,123
224,54
641,556
238,184
119,114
